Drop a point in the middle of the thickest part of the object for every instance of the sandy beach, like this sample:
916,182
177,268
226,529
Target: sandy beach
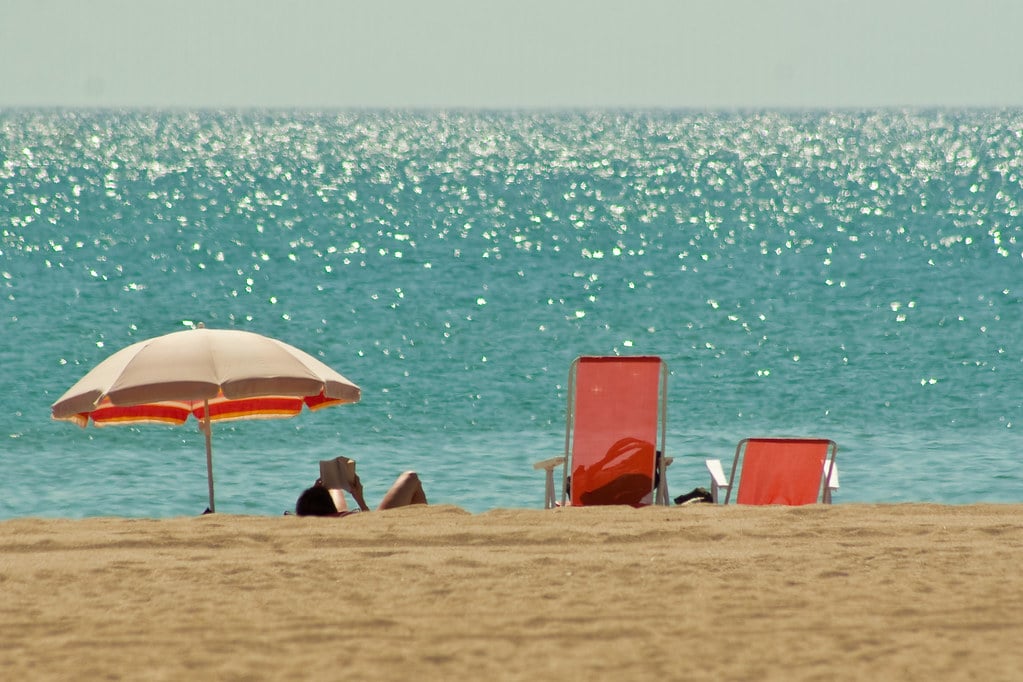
851,591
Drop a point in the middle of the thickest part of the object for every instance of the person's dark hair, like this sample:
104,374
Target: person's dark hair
315,501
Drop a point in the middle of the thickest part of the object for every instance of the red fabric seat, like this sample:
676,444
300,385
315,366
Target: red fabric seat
614,429
789,471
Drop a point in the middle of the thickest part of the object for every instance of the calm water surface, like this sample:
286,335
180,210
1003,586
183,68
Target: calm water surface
853,275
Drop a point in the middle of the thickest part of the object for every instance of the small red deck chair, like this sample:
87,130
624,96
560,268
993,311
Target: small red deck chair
792,471
614,433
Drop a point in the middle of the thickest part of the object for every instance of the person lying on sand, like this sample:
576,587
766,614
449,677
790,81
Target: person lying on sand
320,500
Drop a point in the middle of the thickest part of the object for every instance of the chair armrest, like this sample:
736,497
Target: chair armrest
832,483
549,464
548,488
833,479
718,480
717,472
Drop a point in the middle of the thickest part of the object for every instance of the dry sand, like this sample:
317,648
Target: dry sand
856,592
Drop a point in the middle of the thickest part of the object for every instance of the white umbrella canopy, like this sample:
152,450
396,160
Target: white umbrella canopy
211,374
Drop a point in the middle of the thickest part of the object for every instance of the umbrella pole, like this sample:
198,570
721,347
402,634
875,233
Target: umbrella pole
204,426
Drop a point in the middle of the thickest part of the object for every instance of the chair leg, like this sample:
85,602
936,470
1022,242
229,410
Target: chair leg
662,491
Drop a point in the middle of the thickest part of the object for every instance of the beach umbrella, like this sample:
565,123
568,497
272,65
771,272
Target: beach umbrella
209,374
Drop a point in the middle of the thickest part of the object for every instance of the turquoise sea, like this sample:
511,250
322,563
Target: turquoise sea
856,275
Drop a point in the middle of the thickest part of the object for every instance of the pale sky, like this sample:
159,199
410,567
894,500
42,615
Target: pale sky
511,54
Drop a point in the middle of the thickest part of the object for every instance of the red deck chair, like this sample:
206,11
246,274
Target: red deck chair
615,426
792,471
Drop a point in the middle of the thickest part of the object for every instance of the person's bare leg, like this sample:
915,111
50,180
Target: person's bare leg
407,489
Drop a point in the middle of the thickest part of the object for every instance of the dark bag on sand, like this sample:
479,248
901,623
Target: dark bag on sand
695,496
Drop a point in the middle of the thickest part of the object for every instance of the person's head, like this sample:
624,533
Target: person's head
315,501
